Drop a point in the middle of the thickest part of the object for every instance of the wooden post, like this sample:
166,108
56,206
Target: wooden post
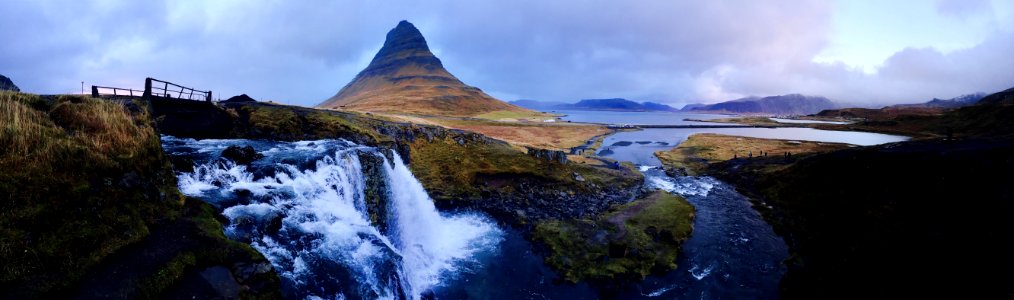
95,91
147,87
209,96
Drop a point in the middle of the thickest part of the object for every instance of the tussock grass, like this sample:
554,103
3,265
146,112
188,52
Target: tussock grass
37,133
82,179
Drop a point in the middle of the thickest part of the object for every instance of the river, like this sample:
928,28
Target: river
302,206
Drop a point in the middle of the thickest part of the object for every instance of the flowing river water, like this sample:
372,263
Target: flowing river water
304,207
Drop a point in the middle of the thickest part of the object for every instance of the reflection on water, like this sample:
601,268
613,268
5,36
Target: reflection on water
667,138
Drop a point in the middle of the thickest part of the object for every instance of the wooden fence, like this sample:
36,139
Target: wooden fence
164,89
98,91
154,89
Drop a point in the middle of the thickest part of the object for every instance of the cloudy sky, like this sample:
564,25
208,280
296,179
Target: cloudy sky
302,52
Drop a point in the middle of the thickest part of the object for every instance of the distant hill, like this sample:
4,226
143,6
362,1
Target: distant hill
615,104
405,77
960,101
792,104
7,85
1005,97
690,107
658,107
536,104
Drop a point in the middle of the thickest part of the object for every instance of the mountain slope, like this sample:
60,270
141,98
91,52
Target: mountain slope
792,104
405,77
956,102
7,85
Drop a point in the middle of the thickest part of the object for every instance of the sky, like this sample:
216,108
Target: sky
859,52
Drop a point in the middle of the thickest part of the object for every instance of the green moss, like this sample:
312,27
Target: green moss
165,277
628,242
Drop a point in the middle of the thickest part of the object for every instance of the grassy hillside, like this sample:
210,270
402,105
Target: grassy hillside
911,219
90,195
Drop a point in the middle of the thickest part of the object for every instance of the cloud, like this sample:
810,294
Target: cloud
962,9
303,52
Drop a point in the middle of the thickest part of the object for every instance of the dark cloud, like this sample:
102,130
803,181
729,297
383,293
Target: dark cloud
303,52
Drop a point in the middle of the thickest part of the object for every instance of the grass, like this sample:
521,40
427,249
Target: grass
449,169
629,242
87,186
558,136
700,150
507,115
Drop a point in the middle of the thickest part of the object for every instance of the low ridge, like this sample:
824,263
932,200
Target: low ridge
405,77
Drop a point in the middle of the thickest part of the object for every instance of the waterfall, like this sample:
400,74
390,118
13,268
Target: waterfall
304,206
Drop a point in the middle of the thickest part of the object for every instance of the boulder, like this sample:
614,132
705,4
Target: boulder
241,155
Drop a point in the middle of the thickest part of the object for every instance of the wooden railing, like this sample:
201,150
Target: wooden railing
164,89
98,91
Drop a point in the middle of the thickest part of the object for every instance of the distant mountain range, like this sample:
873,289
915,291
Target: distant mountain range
792,104
613,104
956,102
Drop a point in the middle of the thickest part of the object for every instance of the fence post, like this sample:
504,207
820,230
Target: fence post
209,96
95,91
147,87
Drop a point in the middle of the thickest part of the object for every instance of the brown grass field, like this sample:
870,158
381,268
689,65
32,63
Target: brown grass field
699,150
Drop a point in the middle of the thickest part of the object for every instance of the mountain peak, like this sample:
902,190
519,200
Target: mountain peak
402,38
405,77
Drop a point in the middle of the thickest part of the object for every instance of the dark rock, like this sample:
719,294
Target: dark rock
241,155
7,85
182,163
376,190
675,172
222,281
239,99
623,143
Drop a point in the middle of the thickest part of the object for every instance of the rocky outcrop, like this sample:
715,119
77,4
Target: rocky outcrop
548,155
7,85
405,77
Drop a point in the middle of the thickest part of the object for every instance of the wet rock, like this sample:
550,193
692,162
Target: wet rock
241,155
578,177
222,281
675,172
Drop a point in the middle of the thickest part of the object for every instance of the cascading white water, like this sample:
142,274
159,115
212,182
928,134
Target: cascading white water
326,244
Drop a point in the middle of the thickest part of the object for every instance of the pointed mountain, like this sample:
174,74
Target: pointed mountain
405,77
